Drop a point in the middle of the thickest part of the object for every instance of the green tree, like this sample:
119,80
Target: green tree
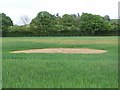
5,22
107,18
67,20
43,22
90,24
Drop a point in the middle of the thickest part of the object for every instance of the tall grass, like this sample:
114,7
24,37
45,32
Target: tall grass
39,70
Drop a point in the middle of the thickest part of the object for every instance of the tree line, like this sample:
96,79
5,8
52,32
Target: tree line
46,24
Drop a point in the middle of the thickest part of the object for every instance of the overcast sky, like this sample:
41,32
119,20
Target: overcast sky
17,8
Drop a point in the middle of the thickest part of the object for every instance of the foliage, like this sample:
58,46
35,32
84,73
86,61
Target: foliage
89,24
5,22
43,22
18,31
46,24
67,20
107,18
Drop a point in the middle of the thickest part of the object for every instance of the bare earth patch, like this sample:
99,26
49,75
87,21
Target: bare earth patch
62,50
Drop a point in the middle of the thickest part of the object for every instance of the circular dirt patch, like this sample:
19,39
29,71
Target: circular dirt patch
62,50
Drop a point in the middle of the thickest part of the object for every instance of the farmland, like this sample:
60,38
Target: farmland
44,70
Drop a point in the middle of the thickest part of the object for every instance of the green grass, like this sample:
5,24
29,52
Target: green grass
114,20
60,70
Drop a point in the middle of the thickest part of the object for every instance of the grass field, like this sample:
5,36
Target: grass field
114,20
41,70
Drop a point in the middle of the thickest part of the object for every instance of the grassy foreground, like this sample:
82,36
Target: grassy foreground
60,70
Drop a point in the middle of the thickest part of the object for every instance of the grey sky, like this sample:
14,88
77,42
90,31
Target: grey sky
16,8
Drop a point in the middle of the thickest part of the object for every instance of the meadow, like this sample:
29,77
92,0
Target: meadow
44,70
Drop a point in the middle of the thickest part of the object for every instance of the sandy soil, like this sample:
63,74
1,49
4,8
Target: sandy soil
62,50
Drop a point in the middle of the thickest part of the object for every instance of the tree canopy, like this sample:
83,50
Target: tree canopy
5,21
90,23
46,24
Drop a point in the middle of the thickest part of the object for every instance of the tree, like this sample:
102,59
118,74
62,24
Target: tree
43,22
107,18
5,22
67,20
74,15
24,20
78,14
90,24
70,22
57,14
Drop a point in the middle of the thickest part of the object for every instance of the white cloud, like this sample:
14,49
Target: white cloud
16,8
